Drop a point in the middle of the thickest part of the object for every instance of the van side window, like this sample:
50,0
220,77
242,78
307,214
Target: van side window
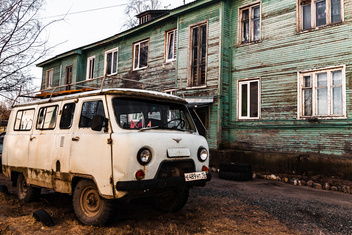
47,118
89,109
24,120
67,116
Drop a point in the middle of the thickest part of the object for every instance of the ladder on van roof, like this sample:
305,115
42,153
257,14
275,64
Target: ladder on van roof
79,87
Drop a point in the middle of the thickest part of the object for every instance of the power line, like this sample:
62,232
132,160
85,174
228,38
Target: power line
85,11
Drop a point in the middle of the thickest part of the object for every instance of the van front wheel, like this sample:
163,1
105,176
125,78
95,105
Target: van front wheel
25,192
90,208
171,201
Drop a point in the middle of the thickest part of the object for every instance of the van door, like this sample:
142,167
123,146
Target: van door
42,146
91,149
60,163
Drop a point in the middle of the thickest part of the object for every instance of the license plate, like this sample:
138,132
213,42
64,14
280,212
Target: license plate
195,176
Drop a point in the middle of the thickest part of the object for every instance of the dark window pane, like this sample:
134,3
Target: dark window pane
114,68
244,100
307,81
306,17
108,63
89,109
67,116
254,99
320,13
144,55
307,102
335,11
136,56
171,46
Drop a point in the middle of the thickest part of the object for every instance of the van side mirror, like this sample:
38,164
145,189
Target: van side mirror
99,122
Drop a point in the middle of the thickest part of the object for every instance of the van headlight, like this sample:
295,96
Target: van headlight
202,154
144,156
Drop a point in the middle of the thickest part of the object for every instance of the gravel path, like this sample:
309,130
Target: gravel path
302,209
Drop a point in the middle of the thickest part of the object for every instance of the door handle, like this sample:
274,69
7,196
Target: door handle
32,138
75,138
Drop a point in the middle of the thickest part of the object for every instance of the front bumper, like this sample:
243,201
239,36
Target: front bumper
159,183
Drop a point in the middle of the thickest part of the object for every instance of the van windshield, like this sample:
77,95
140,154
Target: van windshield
144,114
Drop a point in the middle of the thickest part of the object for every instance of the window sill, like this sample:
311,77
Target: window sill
320,27
317,118
248,119
196,87
248,43
137,69
170,62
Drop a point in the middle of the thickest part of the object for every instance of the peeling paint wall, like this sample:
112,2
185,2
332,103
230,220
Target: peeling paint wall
276,60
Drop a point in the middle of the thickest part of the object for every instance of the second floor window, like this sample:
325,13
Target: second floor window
111,58
90,67
49,78
170,45
250,23
319,13
198,54
322,93
140,54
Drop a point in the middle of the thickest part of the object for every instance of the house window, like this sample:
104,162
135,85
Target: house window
322,93
111,59
68,77
319,13
91,65
250,23
198,55
140,54
49,78
170,45
249,99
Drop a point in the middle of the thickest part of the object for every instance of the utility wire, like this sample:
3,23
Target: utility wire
79,12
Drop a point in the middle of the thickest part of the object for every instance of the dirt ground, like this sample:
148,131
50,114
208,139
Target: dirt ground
208,212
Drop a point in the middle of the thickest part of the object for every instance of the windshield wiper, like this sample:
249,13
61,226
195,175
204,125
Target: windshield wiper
148,128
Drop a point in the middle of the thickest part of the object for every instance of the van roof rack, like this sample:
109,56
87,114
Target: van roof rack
44,94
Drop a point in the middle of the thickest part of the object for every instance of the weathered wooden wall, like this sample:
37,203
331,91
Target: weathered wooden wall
275,60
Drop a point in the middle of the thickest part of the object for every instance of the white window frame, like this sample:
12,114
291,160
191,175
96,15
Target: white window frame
313,74
249,7
112,51
313,20
239,98
137,66
49,78
167,45
90,68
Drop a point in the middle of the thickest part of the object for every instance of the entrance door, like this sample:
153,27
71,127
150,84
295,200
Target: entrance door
200,116
68,77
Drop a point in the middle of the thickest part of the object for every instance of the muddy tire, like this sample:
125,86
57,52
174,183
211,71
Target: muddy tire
90,208
25,192
171,201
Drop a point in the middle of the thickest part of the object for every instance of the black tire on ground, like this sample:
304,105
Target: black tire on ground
235,176
235,167
3,189
90,208
44,217
25,192
171,201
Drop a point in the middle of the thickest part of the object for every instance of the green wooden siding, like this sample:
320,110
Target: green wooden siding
276,60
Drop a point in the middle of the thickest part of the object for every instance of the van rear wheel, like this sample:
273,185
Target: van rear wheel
25,192
90,208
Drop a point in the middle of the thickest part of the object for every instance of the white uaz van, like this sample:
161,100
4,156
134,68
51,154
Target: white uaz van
102,145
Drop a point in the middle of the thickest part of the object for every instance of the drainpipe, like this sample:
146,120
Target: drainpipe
219,129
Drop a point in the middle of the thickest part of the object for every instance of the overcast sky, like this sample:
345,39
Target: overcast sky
87,21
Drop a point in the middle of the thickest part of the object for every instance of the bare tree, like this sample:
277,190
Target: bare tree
135,7
20,43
